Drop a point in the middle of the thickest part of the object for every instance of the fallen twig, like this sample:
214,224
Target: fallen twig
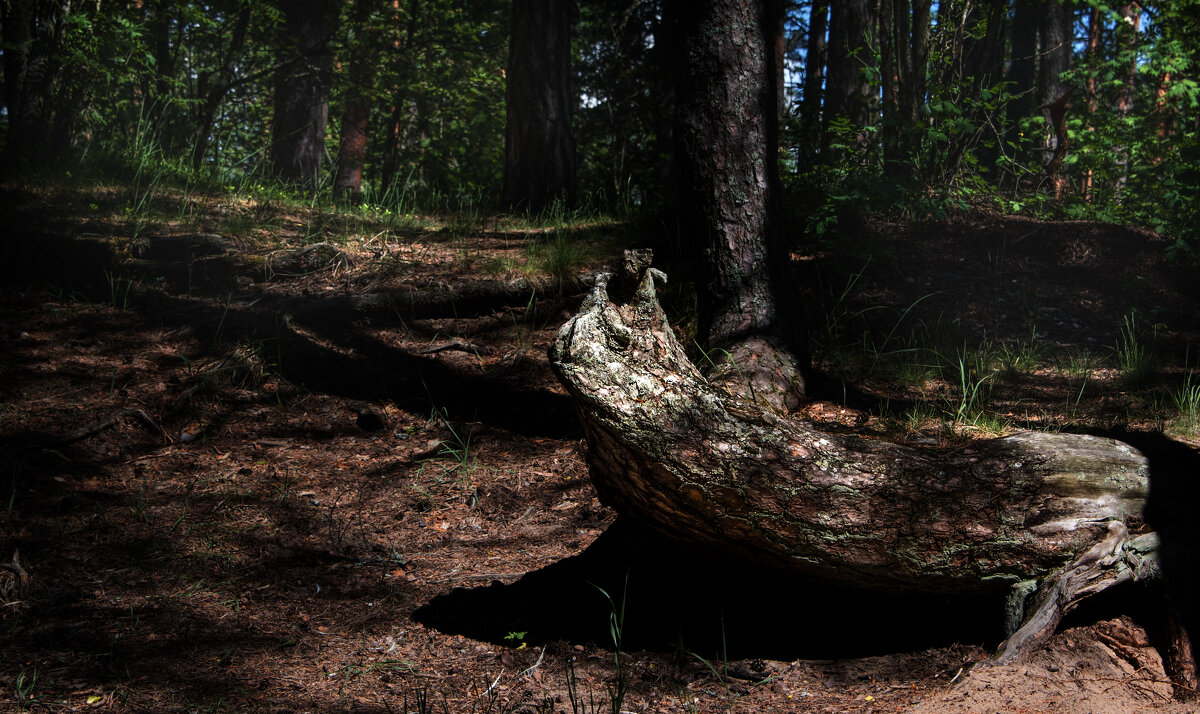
535,665
92,429
494,683
469,347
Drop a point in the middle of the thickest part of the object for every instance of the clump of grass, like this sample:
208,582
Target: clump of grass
118,290
1076,365
1134,357
564,257
1020,356
1187,405
972,371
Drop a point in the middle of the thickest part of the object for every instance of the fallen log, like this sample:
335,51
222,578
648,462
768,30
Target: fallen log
1051,518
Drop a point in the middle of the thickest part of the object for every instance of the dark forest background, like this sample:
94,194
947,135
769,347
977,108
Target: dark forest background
1081,109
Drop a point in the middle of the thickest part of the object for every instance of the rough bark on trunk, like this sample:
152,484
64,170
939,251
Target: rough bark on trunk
1052,518
302,91
539,151
726,133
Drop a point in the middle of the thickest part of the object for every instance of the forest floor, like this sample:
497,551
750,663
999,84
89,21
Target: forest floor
299,461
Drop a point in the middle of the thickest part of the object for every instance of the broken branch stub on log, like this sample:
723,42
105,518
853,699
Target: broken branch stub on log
1051,517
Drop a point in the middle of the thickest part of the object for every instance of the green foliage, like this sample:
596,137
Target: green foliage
621,79
160,95
616,630
1133,145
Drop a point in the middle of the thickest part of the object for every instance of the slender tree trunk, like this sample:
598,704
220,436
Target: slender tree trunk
539,151
904,41
1022,73
302,86
847,92
352,148
889,75
778,18
984,64
17,28
1093,59
1056,37
666,45
33,33
1128,27
814,72
390,152
157,88
726,136
390,161
215,92
356,114
1054,57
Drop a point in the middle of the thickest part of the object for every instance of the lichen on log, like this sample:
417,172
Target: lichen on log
1052,517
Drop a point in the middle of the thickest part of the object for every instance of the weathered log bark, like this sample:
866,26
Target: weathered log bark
1051,517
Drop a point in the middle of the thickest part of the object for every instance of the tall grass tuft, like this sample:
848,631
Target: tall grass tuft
1134,357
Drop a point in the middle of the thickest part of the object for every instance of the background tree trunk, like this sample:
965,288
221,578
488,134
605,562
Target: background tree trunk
983,63
848,91
17,28
214,94
904,45
1022,73
33,36
814,73
356,114
1054,58
539,151
302,85
726,136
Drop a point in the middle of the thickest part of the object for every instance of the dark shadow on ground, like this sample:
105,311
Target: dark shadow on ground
1173,511
364,368
705,603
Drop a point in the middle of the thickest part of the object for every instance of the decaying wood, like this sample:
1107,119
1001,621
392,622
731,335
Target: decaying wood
1052,518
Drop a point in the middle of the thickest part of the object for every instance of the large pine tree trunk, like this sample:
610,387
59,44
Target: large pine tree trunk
1051,517
302,85
726,143
539,150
